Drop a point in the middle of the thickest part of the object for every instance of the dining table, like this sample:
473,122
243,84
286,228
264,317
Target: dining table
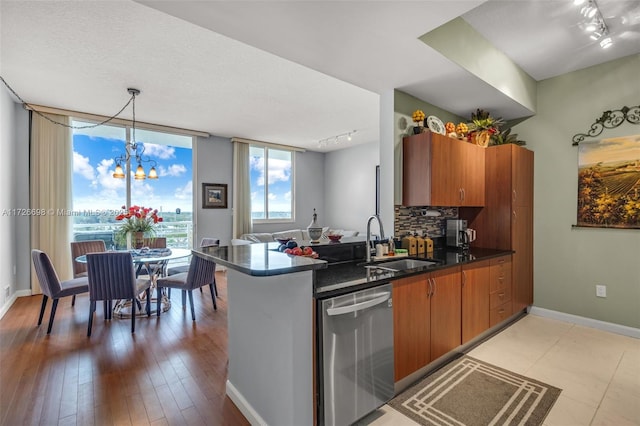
153,262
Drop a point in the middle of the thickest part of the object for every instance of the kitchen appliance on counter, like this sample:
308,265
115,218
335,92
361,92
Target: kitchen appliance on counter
357,375
457,234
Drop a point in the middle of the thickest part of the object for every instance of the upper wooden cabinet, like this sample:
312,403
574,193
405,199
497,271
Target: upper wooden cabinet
442,171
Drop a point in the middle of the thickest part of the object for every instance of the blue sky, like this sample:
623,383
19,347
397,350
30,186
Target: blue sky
94,187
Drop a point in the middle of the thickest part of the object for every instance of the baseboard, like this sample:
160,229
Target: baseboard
245,408
587,322
5,308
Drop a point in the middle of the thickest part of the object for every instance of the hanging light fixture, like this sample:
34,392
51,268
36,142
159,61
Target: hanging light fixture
134,149
335,139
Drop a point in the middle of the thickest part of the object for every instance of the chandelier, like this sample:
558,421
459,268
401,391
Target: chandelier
135,150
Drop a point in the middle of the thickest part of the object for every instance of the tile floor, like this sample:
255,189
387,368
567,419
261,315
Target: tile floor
598,372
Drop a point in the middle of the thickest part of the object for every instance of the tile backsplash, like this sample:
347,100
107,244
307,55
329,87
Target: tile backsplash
431,221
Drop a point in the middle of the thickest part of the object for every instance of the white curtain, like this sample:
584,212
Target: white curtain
241,190
51,168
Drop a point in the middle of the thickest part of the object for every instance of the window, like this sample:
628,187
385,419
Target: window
271,173
97,194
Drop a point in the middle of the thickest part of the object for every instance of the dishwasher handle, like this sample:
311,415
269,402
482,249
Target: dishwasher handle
378,299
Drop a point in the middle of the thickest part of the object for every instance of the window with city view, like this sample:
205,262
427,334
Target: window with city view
272,192
98,197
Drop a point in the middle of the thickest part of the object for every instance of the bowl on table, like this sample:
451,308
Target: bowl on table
334,237
283,240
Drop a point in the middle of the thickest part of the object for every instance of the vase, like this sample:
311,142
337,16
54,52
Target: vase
137,240
417,130
314,231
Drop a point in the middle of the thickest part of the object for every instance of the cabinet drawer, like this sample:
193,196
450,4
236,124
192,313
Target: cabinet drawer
500,297
499,314
500,273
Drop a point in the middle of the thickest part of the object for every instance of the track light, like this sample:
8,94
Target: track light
606,43
335,139
594,22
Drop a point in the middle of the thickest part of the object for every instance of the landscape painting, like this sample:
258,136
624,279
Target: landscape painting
609,183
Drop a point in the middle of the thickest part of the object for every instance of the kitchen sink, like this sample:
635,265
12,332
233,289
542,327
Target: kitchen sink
402,264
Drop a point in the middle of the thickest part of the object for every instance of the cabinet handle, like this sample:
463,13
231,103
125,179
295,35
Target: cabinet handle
501,311
433,280
464,278
500,260
460,193
500,295
515,195
463,193
429,289
515,216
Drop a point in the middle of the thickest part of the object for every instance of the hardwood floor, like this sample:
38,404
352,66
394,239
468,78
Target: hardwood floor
172,371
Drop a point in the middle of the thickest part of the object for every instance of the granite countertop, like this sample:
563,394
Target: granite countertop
353,276
260,259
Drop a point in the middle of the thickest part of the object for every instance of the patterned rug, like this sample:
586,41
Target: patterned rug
470,392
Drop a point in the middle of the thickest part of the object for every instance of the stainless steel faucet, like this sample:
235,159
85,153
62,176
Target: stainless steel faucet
376,217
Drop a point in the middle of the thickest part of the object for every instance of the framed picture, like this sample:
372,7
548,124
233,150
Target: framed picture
214,195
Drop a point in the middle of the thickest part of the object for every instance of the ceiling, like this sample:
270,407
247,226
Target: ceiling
293,72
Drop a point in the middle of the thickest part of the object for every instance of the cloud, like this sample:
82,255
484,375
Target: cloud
272,196
184,192
82,167
172,170
105,178
279,170
163,152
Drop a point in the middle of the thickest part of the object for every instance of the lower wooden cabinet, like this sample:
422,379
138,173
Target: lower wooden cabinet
426,318
500,287
475,299
411,325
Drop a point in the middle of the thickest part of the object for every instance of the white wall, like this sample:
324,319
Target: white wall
569,262
8,196
350,184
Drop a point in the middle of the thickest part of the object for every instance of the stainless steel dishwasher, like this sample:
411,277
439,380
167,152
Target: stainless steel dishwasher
357,354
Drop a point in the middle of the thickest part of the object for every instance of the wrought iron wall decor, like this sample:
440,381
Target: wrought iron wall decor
610,120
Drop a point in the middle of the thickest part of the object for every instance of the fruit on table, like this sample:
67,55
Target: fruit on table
450,127
307,251
292,244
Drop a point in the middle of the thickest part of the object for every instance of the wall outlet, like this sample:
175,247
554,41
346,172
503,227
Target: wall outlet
14,269
601,291
7,292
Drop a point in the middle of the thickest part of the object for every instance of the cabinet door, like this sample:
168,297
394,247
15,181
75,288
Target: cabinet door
447,170
522,241
446,321
416,170
411,325
522,176
475,299
472,159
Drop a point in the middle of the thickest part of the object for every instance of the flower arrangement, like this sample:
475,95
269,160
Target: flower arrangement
484,130
137,219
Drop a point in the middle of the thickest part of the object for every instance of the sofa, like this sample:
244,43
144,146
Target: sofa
296,234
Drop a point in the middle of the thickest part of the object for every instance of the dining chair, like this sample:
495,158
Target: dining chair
80,248
112,276
51,285
205,242
201,272
156,268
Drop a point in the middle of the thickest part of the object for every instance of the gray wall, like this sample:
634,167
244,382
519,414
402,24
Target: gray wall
213,163
8,195
570,262
14,194
350,185
213,158
310,193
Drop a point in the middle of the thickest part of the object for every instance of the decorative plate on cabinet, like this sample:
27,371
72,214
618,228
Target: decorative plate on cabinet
436,125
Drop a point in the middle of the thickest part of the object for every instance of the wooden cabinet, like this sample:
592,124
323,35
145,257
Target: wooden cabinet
411,325
442,171
500,290
445,311
426,319
506,221
476,282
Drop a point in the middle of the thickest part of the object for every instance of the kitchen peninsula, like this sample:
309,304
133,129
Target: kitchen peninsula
271,320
